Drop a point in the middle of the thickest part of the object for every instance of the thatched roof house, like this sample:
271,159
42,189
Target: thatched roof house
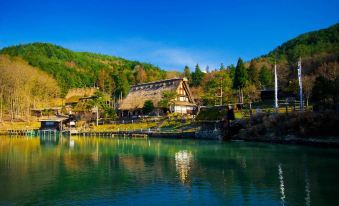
134,102
75,95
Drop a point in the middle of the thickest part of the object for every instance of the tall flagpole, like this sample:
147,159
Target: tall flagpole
300,86
275,87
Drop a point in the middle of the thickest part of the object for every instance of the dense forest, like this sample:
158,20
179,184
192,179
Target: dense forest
82,69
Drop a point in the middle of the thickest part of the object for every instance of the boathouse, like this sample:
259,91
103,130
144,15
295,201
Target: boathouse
138,94
53,124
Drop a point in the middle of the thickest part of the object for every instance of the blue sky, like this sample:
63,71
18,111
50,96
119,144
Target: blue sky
168,33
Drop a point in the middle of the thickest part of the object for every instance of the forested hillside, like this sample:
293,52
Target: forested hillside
319,54
82,69
318,50
23,87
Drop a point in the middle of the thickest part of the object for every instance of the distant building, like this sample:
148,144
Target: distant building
76,103
138,94
267,95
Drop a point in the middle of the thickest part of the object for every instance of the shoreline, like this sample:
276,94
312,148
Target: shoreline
313,142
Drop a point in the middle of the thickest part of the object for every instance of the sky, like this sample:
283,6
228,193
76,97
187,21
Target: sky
166,33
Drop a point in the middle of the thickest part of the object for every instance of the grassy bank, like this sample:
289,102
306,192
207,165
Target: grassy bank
116,127
19,125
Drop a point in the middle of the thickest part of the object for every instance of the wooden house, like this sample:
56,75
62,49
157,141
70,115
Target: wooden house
138,94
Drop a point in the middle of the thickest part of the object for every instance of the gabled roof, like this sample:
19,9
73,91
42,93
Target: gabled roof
153,91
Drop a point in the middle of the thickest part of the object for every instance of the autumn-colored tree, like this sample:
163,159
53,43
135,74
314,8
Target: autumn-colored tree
251,93
265,77
140,74
308,83
105,82
20,93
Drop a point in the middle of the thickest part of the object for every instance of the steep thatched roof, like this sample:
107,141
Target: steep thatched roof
74,95
151,91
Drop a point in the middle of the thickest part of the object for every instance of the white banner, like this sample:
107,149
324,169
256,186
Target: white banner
300,86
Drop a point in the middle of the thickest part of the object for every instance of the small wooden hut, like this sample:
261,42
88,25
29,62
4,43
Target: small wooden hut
138,94
53,124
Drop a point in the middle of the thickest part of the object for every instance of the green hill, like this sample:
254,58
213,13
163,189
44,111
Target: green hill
318,50
311,44
82,69
319,47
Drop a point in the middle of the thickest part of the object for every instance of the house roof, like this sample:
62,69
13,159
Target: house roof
153,91
74,95
57,119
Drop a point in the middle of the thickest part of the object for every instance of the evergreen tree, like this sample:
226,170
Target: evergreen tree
148,107
240,75
231,69
265,77
187,73
253,74
240,79
222,67
197,76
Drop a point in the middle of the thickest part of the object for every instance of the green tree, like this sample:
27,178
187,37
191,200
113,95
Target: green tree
148,107
222,67
121,83
240,79
168,97
253,74
217,88
187,73
231,70
265,77
326,91
197,76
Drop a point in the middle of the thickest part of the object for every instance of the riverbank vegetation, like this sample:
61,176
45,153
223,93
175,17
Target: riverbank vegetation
306,125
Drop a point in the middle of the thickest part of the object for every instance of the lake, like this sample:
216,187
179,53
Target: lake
99,171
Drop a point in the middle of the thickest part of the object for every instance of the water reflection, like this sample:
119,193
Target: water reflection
163,171
282,185
49,141
307,189
183,163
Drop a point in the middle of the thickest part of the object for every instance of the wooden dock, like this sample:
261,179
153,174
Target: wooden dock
116,134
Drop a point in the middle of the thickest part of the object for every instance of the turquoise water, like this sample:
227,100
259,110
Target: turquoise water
98,171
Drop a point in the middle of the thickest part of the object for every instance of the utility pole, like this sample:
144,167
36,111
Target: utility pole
97,115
